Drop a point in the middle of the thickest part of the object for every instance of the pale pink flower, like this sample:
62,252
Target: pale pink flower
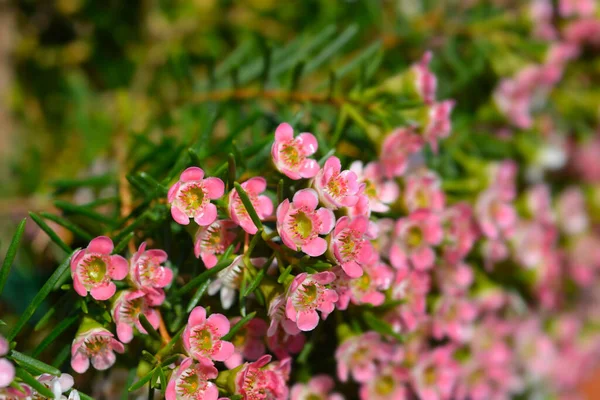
438,124
459,232
262,204
336,188
307,294
539,203
380,191
318,388
261,380
496,217
359,356
572,212
190,197
212,240
283,345
542,15
202,336
362,207
290,154
423,191
584,259
454,278
148,272
388,384
300,223
502,178
12,393
191,381
535,349
580,8
350,246
276,314
426,82
453,317
531,241
7,370
434,376
249,342
368,289
96,344
126,311
411,287
585,159
414,238
583,31
228,280
93,269
396,149
58,384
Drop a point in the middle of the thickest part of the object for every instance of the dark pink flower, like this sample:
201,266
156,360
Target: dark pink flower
262,204
299,223
318,388
126,311
278,318
380,191
306,295
191,196
284,345
93,269
438,124
249,342
202,336
147,271
396,149
96,344
412,288
350,246
414,237
426,82
580,8
290,154
423,191
459,232
190,381
336,188
359,355
261,380
212,240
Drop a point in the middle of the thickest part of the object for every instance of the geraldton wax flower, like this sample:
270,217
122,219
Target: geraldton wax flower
96,344
212,240
126,311
262,204
290,154
359,355
380,191
260,380
299,223
396,150
306,295
202,336
318,388
414,237
191,196
337,188
147,270
190,381
349,245
93,269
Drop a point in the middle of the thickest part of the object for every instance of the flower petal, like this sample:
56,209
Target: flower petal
284,132
192,174
207,216
306,198
103,292
220,323
101,244
315,247
197,316
120,267
179,216
308,320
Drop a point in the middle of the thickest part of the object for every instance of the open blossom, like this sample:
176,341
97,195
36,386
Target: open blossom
283,345
438,125
264,380
389,384
212,240
459,232
318,388
434,376
453,317
96,344
202,336
411,287
380,191
581,8
300,223
336,188
350,246
454,278
496,217
278,318
359,356
414,237
396,150
94,269
306,295
423,191
191,381
290,154
126,311
262,204
190,197
571,211
426,81
249,342
58,385
7,370
368,289
148,272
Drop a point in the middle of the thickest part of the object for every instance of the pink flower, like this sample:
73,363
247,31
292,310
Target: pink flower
126,311
439,124
585,159
283,345
202,336
290,155
359,355
411,287
249,342
336,188
191,196
426,82
261,380
389,384
212,240
435,374
396,149
572,213
350,246
58,384
147,270
380,191
278,318
414,237
454,279
94,269
97,344
318,388
306,295
423,191
459,232
539,203
262,204
496,217
299,223
583,31
7,370
368,289
191,381
453,318
580,8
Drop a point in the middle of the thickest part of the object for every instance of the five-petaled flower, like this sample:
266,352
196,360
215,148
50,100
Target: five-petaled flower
307,294
191,381
96,344
261,203
349,245
202,336
290,154
337,188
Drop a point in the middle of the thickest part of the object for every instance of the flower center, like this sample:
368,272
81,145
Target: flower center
430,376
310,293
363,283
203,340
350,245
303,224
385,385
313,396
95,269
192,197
290,153
414,236
132,309
337,186
95,345
370,189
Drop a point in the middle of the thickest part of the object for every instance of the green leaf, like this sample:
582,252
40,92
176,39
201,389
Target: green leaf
123,243
85,211
11,253
27,378
197,296
248,205
143,380
60,328
39,297
234,329
231,175
224,263
255,282
33,364
149,328
379,326
167,348
283,276
55,238
84,396
68,225
158,188
333,48
93,181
